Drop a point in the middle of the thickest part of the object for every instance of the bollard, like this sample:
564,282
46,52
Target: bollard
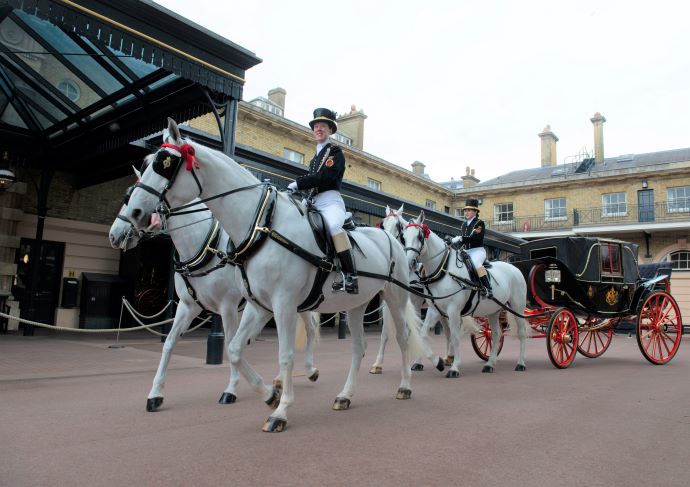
215,341
342,325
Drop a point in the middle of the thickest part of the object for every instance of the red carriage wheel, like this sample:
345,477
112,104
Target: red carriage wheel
659,328
593,343
482,342
562,338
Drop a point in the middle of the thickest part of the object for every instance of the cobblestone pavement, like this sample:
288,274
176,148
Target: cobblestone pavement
73,413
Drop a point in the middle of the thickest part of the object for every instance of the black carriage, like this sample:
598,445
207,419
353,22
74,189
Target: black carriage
581,289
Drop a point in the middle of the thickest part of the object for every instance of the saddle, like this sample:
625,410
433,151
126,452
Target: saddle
471,270
318,227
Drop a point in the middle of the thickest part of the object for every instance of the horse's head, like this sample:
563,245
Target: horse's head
414,237
168,179
123,235
394,222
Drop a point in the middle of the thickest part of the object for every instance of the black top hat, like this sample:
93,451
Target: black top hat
324,115
471,204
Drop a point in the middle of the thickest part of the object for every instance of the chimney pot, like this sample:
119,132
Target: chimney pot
277,96
548,147
598,122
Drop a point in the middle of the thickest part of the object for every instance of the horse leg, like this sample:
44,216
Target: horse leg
450,355
286,324
454,325
183,317
377,368
495,336
253,320
432,316
355,322
230,317
423,331
522,335
311,320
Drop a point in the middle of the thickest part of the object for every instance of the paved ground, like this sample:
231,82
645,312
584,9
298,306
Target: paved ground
72,413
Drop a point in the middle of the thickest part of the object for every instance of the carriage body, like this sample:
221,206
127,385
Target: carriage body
580,289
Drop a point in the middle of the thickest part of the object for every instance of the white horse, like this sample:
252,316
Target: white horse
446,275
210,284
393,223
277,280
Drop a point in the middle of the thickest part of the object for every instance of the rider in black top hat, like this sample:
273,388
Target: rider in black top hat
472,237
324,180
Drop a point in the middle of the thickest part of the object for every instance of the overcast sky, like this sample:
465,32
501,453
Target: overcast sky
471,83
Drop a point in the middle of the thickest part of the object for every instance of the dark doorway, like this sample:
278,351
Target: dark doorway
645,205
148,271
45,299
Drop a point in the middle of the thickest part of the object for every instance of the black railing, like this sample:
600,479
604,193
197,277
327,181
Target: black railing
606,215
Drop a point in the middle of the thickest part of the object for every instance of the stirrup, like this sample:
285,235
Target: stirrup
339,286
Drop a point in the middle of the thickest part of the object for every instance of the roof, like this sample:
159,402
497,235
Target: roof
112,69
616,164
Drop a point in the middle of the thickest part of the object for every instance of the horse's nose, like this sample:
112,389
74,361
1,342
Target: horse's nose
136,214
113,241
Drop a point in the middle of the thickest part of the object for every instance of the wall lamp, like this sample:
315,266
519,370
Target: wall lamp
645,184
480,201
7,176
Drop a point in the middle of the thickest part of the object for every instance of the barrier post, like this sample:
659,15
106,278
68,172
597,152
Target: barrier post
342,325
214,342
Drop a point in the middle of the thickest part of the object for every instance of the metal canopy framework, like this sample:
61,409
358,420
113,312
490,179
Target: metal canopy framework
80,79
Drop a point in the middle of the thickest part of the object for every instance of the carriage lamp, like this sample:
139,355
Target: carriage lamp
7,176
552,274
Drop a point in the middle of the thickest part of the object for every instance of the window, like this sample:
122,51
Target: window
678,199
293,156
269,107
680,260
554,209
446,209
611,259
69,89
431,204
613,204
459,212
374,184
342,138
503,213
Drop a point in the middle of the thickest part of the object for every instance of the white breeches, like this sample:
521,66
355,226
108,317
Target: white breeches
331,205
478,256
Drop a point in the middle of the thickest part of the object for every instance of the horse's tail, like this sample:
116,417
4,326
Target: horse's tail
300,334
415,345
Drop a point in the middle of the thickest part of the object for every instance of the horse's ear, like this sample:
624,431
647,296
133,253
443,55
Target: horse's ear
388,210
400,210
420,218
173,130
137,172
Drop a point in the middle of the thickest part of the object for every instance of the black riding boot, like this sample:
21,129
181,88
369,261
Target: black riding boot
487,286
347,263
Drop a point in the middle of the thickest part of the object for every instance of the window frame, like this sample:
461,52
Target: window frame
288,152
497,213
549,212
606,207
374,184
686,198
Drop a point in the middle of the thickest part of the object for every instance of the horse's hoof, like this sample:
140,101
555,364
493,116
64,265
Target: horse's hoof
488,369
376,369
227,398
274,425
520,368
449,360
417,367
341,404
404,393
278,384
153,403
314,377
453,374
440,365
274,400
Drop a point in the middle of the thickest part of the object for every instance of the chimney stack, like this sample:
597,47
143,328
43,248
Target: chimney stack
598,122
418,168
277,96
352,126
548,147
468,180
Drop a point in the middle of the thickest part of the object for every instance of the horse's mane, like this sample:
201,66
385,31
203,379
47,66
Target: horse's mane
202,151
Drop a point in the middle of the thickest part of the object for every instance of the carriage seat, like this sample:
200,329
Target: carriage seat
648,271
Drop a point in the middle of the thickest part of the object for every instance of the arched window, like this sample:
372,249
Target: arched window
70,89
680,260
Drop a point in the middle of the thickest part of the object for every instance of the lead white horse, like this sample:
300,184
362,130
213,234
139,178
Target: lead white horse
448,276
277,280
394,223
210,284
